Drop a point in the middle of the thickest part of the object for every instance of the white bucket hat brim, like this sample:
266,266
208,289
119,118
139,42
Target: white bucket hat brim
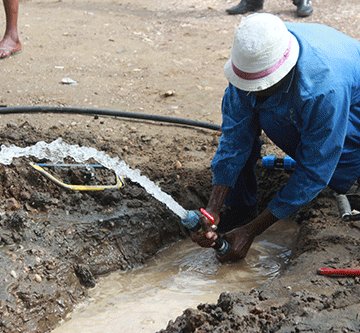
254,65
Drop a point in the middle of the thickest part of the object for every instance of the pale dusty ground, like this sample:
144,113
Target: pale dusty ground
128,55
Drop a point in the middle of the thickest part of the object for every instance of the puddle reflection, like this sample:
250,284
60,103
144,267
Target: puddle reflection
145,299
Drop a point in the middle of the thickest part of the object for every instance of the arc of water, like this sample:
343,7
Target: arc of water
58,150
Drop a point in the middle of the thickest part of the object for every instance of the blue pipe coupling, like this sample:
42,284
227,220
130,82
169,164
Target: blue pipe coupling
273,162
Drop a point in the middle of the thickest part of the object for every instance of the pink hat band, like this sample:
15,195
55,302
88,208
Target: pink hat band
264,73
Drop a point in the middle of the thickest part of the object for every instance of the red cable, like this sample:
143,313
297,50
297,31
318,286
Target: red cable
338,272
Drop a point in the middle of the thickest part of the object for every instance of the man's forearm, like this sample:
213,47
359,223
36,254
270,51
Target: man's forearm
261,223
217,198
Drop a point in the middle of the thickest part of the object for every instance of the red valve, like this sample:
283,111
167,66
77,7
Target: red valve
208,215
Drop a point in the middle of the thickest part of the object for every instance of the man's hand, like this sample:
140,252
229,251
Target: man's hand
239,240
205,237
201,239
207,224
208,236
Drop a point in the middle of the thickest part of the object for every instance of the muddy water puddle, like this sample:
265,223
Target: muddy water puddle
181,276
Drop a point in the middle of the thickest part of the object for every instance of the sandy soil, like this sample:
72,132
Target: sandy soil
162,58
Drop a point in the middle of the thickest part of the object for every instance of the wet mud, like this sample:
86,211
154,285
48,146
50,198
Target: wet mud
299,300
55,243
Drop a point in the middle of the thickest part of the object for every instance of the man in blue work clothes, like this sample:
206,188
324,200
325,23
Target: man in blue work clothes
300,84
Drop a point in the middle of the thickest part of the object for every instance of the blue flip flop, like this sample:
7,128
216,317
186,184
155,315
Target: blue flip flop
11,54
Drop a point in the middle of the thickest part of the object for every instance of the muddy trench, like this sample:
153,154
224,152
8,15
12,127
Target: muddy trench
55,243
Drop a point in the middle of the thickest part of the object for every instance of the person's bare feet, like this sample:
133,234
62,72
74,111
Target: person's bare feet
9,47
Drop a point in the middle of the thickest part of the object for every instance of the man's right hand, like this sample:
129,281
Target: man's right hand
201,239
206,237
206,223
215,203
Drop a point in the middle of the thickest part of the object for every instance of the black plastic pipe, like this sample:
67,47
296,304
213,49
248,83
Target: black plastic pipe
123,114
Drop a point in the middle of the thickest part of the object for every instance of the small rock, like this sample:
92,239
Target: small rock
24,195
257,310
28,207
38,278
11,125
12,204
356,224
40,200
146,138
13,274
6,239
169,93
84,275
18,220
67,80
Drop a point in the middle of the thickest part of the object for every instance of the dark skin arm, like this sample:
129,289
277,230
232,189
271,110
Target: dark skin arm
206,237
239,239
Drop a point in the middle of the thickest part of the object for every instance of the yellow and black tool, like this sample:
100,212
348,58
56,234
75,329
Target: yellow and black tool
119,182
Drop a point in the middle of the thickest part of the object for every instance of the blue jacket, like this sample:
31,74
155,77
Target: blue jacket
321,100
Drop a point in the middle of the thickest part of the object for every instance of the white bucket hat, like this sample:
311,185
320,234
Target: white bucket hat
263,52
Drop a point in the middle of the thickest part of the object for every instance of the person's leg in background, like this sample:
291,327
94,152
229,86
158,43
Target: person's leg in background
10,44
304,7
246,6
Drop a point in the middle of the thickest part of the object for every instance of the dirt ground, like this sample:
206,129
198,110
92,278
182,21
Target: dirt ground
161,58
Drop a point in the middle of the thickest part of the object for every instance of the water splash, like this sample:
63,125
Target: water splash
58,150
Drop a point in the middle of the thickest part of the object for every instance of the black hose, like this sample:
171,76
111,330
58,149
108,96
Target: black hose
124,114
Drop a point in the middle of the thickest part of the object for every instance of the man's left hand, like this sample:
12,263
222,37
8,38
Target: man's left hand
239,241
